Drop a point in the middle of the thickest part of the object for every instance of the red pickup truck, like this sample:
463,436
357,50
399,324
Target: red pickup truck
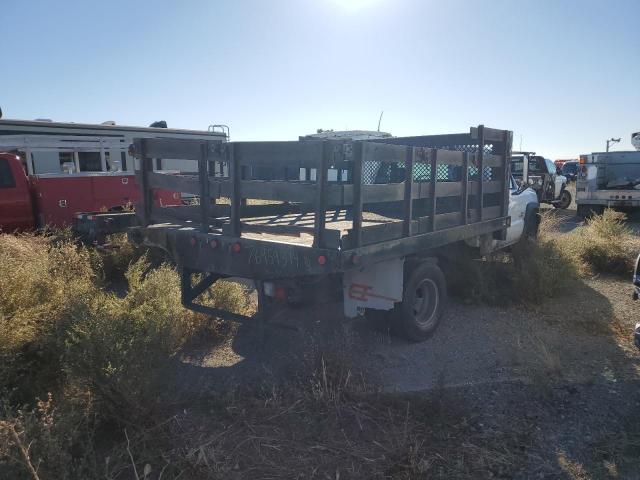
55,200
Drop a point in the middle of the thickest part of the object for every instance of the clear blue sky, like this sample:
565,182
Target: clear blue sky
564,75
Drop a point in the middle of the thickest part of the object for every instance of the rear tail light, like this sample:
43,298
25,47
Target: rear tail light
280,293
213,244
236,247
322,260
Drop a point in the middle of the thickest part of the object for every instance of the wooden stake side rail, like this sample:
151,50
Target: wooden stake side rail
304,192
474,194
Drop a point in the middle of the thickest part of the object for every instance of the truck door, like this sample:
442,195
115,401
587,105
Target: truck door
15,201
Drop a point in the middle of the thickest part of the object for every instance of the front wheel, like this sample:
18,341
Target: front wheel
565,200
423,302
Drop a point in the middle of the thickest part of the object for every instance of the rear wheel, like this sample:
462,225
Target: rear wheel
423,302
565,200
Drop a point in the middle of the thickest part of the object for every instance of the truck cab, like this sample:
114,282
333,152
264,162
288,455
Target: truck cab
16,207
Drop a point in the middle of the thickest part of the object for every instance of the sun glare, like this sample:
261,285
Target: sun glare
354,5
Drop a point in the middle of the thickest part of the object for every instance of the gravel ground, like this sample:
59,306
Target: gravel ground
565,376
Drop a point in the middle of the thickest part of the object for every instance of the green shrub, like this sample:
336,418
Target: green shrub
111,261
121,349
42,280
59,330
550,265
529,273
541,270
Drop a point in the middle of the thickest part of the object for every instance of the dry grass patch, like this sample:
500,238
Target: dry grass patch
603,245
59,328
549,266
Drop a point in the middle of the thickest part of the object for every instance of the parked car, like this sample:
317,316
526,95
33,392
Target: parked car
570,170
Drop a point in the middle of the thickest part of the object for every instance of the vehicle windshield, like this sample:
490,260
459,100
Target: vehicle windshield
537,165
570,168
551,167
517,163
619,175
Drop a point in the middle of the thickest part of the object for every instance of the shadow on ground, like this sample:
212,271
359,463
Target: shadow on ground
565,372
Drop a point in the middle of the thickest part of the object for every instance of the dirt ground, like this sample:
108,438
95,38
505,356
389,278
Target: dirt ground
566,373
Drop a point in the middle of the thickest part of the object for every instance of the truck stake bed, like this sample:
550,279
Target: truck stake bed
326,207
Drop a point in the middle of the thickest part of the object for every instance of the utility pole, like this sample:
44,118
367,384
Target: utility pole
612,140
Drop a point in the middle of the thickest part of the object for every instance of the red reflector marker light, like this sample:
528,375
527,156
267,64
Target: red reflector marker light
213,243
281,293
235,248
322,260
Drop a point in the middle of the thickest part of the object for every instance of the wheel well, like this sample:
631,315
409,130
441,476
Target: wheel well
411,263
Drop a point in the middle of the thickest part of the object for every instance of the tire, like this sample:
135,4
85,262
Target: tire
565,200
531,226
424,300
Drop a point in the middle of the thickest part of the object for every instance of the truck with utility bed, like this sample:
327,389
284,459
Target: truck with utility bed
608,180
370,222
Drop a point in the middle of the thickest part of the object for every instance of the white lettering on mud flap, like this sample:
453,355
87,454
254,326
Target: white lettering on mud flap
377,286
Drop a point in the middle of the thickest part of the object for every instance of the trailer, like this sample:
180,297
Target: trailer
368,221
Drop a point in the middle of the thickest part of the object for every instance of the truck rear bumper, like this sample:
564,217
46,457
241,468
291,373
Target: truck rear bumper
94,226
239,257
609,198
612,203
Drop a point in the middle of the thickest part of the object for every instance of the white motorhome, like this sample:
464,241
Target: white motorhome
34,139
